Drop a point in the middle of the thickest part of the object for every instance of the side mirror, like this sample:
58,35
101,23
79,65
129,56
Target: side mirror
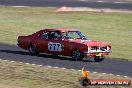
62,39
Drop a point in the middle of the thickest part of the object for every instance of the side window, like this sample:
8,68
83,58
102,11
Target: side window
73,35
44,35
54,35
51,35
65,35
58,35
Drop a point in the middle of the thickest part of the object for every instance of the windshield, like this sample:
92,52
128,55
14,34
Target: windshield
73,35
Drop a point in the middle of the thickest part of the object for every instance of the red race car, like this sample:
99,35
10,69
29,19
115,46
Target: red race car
67,42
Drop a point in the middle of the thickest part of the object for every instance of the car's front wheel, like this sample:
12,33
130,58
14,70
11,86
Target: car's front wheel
33,50
98,58
76,55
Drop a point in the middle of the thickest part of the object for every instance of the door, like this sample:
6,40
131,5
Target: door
42,42
55,43
51,42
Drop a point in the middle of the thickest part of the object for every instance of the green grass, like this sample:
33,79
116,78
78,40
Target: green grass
115,28
18,75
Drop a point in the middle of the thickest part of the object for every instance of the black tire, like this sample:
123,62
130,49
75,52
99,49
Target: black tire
98,58
54,55
76,55
33,50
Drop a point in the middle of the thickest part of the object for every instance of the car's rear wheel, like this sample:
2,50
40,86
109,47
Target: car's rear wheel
76,55
98,58
33,50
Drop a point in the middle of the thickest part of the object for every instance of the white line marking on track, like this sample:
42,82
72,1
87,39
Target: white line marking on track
103,73
79,70
55,67
20,62
94,72
12,61
40,65
63,68
5,60
99,1
19,6
27,63
83,0
49,66
110,74
72,69
118,2
33,64
117,75
125,76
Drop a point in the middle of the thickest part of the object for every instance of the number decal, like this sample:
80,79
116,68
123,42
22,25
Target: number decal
54,46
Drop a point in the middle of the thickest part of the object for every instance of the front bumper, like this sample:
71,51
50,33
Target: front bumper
97,54
98,51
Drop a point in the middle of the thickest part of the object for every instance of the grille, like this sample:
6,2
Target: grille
94,49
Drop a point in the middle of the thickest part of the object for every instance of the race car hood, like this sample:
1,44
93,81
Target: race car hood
92,42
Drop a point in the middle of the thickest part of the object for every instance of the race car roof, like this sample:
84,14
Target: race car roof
61,29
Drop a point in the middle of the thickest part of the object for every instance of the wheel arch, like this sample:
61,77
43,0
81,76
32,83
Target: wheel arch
78,50
73,50
31,43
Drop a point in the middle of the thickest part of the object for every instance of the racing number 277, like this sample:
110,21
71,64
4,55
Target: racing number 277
54,46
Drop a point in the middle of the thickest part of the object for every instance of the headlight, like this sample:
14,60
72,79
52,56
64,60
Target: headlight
109,48
89,48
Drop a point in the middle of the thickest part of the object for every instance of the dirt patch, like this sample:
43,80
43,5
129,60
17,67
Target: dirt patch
83,9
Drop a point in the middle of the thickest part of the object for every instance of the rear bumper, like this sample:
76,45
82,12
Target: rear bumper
22,46
18,44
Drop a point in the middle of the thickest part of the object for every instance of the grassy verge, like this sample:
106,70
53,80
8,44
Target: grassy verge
115,28
17,75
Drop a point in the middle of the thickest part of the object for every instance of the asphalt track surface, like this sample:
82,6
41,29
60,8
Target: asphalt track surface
12,52
68,3
111,66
